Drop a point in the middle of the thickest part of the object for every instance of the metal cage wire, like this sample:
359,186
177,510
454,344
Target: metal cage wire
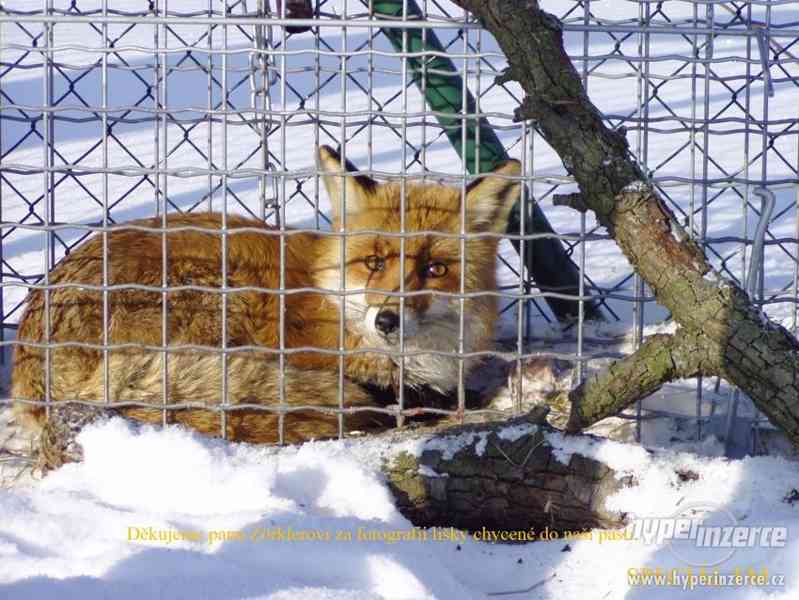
108,106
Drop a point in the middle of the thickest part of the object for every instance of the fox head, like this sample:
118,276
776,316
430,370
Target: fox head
431,275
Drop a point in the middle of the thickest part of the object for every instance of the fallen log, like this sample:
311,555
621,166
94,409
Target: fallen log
501,477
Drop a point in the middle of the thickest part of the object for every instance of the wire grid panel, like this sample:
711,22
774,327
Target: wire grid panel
118,110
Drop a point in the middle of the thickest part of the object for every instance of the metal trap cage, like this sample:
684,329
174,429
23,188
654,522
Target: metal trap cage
120,109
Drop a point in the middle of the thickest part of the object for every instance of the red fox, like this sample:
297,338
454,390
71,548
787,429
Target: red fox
194,313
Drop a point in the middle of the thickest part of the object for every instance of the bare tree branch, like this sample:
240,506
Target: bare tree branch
737,341
660,358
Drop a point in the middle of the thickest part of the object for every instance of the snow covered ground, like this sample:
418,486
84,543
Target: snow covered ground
67,535
77,533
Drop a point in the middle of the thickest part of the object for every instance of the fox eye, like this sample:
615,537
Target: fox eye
436,269
375,263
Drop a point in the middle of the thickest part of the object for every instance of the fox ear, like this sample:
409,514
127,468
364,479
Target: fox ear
490,199
357,188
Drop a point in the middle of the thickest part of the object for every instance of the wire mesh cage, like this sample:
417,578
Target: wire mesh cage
115,110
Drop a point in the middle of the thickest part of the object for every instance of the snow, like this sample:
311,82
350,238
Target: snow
515,432
450,445
67,535
625,459
637,187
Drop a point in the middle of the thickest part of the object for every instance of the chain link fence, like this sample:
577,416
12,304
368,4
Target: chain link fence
114,110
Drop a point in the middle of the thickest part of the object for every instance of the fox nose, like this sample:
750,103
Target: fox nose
387,321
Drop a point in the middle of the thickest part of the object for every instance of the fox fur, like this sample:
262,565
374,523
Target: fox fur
136,374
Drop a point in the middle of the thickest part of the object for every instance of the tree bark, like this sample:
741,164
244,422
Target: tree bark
721,332
500,483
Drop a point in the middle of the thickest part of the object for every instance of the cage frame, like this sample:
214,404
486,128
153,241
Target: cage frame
764,50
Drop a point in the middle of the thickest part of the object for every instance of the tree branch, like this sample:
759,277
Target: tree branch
574,201
756,355
660,359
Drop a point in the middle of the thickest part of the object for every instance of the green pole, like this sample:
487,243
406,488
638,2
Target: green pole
546,258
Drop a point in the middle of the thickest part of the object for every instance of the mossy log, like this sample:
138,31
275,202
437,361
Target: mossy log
501,482
721,333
